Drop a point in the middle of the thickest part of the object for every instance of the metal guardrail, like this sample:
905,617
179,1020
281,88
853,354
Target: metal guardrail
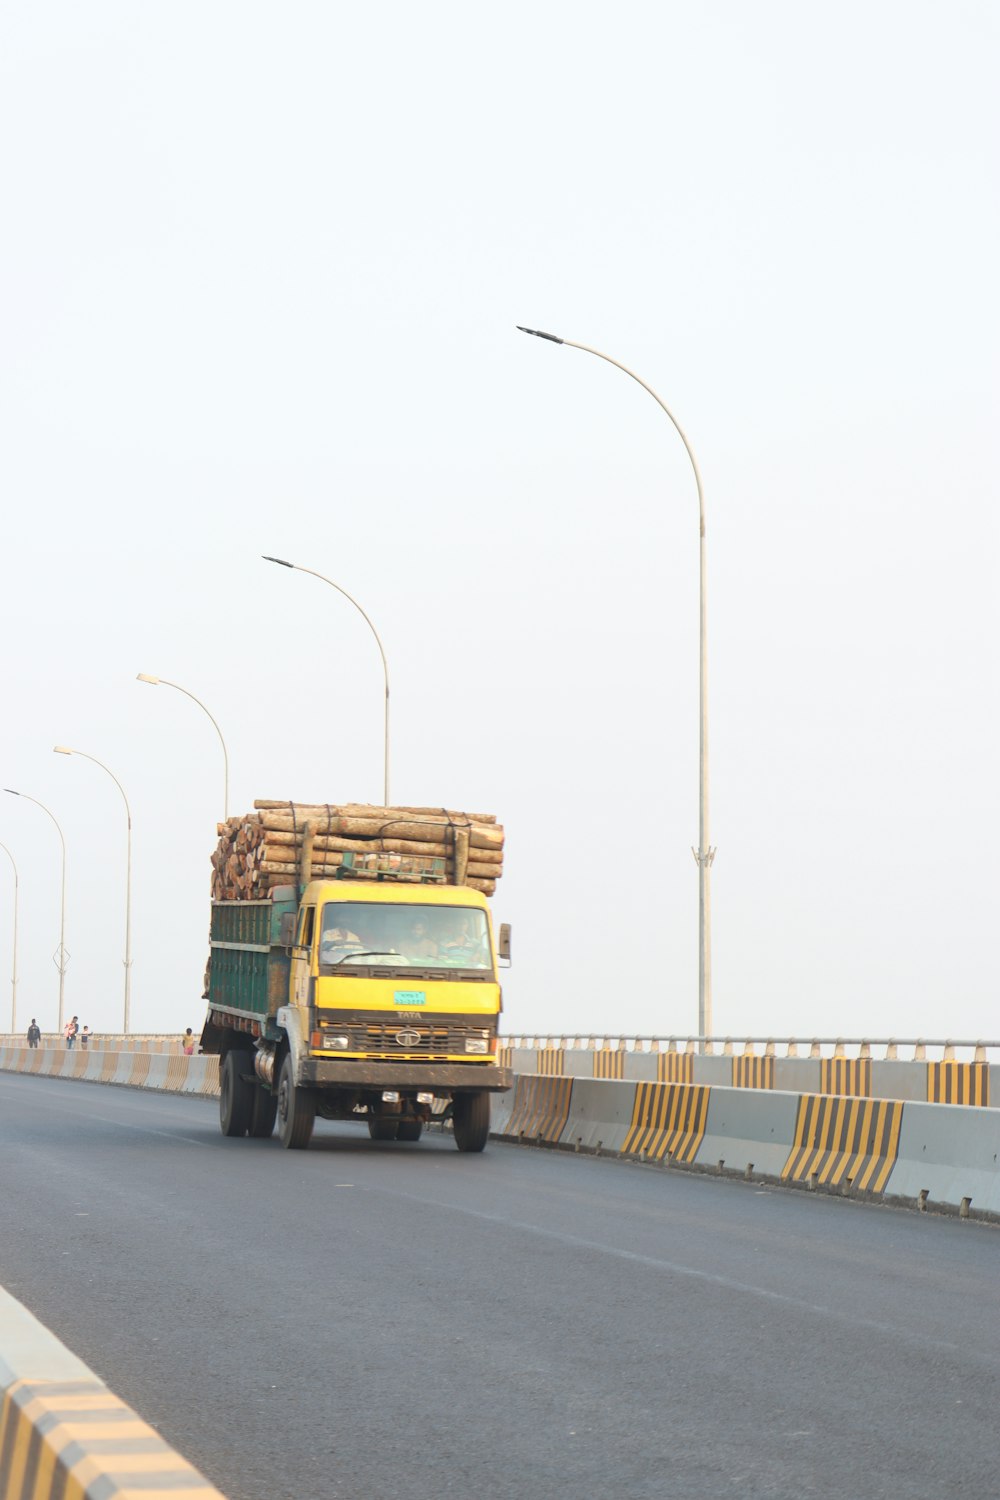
729,1046
921,1049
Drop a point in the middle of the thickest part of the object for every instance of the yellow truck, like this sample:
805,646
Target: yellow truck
375,1000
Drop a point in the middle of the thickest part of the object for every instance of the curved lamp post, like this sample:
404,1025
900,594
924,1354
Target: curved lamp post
13,977
704,854
385,665
60,956
65,750
163,681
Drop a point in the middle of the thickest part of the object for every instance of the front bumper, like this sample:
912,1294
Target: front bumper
430,1078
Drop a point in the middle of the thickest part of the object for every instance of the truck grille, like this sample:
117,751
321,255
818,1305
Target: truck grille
414,1039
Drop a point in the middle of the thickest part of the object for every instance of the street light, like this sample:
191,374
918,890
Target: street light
13,977
65,750
157,682
60,956
704,854
385,665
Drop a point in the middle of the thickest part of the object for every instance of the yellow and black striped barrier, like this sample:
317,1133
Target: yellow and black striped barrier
541,1107
844,1142
846,1075
609,1064
958,1083
753,1072
675,1067
551,1061
668,1119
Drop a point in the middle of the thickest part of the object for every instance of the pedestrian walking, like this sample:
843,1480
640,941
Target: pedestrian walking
70,1030
187,1043
85,1036
34,1033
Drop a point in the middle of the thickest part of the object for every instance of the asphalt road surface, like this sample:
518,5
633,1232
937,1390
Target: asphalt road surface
404,1321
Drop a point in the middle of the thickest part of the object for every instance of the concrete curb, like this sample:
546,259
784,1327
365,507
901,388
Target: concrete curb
176,1074
63,1432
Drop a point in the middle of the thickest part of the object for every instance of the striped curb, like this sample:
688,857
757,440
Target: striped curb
65,1436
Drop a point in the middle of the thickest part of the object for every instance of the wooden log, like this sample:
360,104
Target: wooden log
276,838
460,864
305,858
371,810
481,836
326,871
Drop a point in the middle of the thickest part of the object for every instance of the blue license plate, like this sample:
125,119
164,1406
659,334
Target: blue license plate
410,997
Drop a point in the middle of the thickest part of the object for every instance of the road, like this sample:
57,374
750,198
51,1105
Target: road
376,1321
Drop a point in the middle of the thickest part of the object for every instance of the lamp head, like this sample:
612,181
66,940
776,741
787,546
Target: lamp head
145,677
12,792
61,750
279,560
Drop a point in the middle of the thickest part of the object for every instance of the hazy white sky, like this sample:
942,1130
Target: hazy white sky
261,267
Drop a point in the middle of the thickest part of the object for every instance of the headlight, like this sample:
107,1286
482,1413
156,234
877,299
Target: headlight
476,1044
337,1043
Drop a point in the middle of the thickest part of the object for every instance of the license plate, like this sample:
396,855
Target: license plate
410,997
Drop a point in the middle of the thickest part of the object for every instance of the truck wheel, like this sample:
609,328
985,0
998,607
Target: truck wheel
383,1128
471,1119
296,1110
264,1112
235,1095
409,1130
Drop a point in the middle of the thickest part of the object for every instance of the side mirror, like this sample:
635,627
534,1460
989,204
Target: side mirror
503,942
286,932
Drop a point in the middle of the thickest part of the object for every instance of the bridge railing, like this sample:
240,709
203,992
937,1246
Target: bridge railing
158,1041
888,1049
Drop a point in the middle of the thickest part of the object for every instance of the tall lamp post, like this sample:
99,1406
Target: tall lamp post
385,665
13,976
162,681
704,854
60,956
65,750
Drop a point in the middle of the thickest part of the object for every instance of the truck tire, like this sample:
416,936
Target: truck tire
263,1113
409,1130
470,1115
383,1128
235,1095
296,1110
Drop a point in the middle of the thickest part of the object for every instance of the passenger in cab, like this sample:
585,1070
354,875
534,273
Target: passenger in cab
419,943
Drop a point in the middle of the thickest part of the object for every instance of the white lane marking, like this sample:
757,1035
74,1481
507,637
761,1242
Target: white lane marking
712,1278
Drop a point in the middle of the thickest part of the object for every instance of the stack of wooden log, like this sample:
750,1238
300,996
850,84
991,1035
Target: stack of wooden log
281,843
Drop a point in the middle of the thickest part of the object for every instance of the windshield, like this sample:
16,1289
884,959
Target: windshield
429,937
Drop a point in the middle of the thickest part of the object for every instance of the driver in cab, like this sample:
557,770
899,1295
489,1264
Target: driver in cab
335,942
